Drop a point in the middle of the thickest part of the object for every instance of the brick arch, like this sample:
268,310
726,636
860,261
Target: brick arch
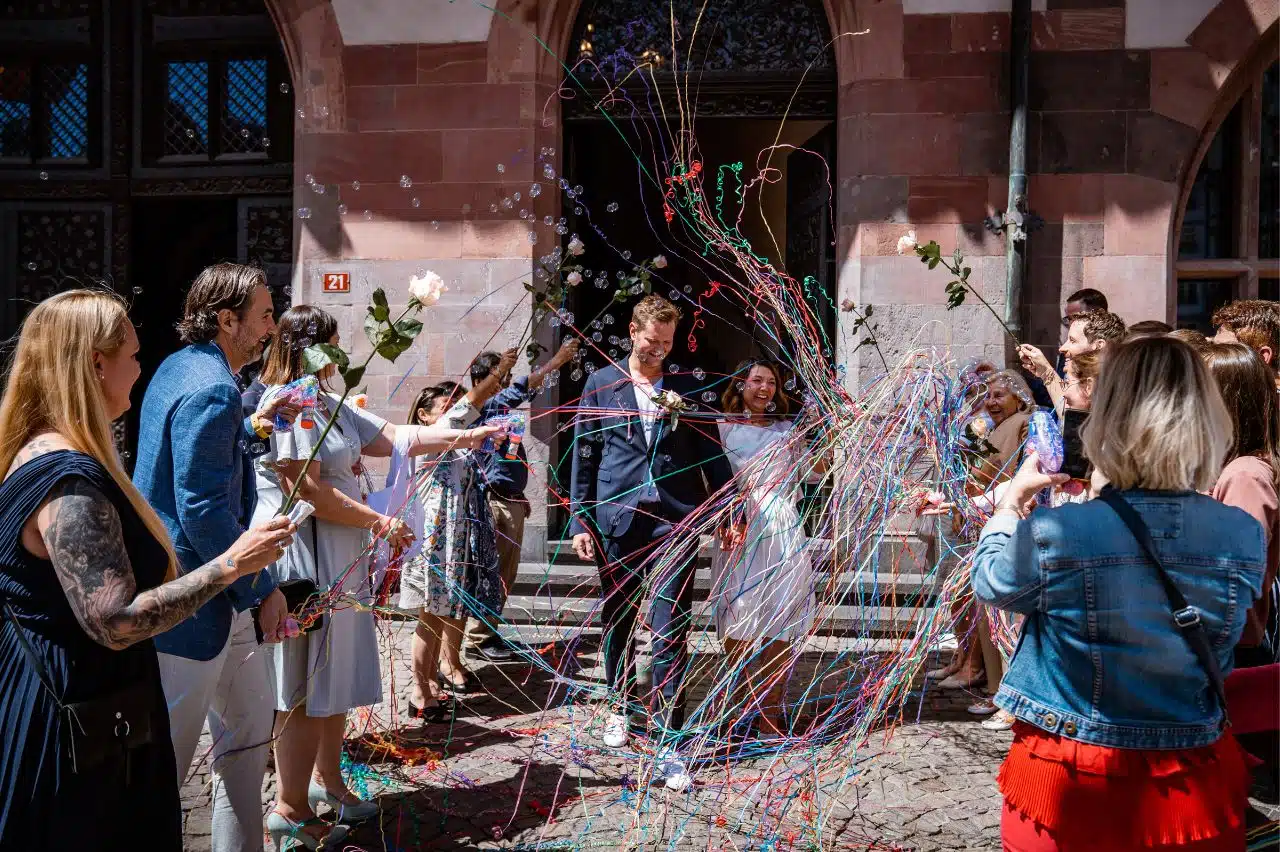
313,47
1246,56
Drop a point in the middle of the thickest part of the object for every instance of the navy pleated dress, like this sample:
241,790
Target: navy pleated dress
44,804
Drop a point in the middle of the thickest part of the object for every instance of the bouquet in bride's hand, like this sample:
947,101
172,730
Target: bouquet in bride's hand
673,404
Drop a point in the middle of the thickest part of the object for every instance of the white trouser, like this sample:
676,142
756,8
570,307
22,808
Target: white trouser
232,693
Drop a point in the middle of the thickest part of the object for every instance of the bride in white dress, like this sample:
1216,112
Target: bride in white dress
763,587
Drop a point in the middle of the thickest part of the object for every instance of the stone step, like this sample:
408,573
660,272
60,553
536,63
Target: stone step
845,620
582,580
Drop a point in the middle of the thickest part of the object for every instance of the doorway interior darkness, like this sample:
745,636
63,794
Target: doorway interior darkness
748,90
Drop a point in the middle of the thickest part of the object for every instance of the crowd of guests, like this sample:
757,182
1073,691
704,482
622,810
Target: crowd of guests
136,611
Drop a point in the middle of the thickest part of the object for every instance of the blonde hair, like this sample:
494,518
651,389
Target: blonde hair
1158,420
52,387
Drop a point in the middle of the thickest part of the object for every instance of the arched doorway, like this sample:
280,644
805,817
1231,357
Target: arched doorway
630,120
1229,240
141,140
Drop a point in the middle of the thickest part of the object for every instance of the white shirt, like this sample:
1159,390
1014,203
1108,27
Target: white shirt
646,405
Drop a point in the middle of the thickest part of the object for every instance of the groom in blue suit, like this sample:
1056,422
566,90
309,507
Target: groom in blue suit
636,476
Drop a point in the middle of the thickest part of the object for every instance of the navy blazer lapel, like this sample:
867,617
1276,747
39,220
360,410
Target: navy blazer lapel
624,398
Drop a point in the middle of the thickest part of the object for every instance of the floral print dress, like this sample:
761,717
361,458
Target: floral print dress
454,572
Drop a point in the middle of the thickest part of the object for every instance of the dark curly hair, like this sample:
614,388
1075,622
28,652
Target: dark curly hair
221,287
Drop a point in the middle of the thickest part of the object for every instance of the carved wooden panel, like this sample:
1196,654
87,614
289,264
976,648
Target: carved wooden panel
53,247
265,239
615,36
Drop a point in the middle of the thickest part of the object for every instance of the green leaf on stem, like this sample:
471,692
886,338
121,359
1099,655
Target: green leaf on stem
393,344
315,358
352,377
409,327
380,309
373,328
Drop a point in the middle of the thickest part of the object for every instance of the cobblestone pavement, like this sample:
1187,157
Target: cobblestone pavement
510,776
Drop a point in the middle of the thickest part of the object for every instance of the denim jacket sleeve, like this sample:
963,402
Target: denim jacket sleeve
207,428
1006,566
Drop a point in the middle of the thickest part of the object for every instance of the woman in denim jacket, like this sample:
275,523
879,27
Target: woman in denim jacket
1119,740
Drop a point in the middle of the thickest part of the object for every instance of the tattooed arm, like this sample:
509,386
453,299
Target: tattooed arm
81,530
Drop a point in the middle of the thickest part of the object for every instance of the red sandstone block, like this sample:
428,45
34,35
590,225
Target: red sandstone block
402,240
1228,32
380,65
880,239
935,65
1137,286
452,63
1078,29
371,108
879,52
1184,85
1066,197
935,199
474,155
926,33
980,32
373,157
505,238
1139,214
461,106
949,95
904,144
975,240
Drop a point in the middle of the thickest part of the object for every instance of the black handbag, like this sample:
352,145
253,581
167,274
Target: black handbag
1185,616
103,728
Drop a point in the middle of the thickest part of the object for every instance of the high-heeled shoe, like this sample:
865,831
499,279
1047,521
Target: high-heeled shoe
440,713
344,812
290,836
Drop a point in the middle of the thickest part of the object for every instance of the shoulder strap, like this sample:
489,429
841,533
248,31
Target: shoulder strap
33,659
1185,616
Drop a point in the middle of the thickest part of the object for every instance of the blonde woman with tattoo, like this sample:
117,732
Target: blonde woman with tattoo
87,578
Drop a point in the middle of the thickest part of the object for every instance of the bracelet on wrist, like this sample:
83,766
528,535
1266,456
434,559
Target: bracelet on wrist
262,427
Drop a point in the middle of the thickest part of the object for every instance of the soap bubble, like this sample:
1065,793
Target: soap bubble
626,255
590,367
435,225
533,237
688,288
284,88
342,209
309,178
31,266
576,375
355,184
405,181
304,212
416,203
548,221
608,319
502,168
367,215
772,406
596,336
517,196
507,204
612,207
708,396
673,368
789,384
699,374
562,229
577,211
577,190
535,190
585,451
548,172
319,188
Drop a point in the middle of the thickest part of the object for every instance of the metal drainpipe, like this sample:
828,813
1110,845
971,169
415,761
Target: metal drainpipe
1015,236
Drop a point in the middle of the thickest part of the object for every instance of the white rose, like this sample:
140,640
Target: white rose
573,279
576,247
907,242
660,262
426,288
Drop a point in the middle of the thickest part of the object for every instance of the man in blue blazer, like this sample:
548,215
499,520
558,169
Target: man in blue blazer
194,467
636,476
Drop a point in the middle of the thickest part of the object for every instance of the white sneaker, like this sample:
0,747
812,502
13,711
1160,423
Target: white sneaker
615,730
677,777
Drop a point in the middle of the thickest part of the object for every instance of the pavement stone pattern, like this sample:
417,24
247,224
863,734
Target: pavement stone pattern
510,776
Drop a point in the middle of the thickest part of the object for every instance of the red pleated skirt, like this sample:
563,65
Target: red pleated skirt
1061,794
